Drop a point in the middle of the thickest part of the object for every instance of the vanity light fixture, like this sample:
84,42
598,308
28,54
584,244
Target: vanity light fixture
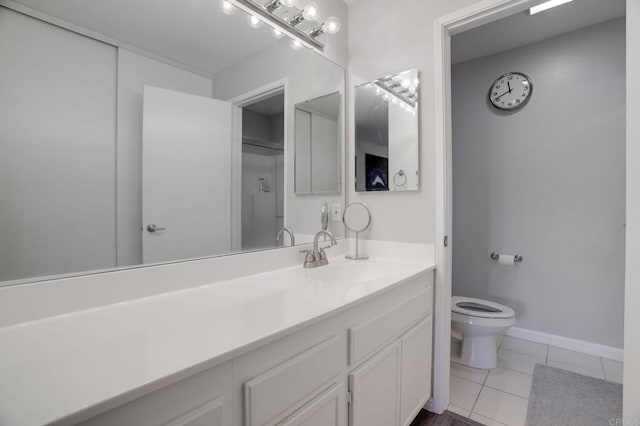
276,4
228,8
286,19
254,21
398,90
547,5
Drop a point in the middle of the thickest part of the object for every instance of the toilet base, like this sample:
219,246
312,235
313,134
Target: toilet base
479,352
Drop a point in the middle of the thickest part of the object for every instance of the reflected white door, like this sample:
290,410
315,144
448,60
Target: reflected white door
186,176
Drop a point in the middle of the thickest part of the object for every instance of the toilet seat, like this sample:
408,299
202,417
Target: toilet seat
480,308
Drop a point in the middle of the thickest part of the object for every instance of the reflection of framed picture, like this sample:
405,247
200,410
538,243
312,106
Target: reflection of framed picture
377,172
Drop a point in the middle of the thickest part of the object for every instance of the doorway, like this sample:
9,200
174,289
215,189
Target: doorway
447,27
262,172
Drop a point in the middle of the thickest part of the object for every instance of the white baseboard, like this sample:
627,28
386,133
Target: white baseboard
429,406
603,351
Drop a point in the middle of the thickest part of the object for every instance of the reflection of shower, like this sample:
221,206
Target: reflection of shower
262,172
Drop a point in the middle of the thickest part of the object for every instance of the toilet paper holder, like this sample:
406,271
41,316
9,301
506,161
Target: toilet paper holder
496,256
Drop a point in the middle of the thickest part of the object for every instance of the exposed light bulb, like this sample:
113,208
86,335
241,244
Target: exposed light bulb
296,45
546,5
405,83
276,33
288,3
254,22
386,97
394,100
228,8
331,25
378,91
310,11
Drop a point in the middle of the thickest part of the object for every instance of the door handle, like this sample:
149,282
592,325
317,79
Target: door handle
153,228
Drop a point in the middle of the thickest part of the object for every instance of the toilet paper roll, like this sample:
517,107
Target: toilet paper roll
507,260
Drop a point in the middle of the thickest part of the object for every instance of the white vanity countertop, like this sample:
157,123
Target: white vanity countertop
71,367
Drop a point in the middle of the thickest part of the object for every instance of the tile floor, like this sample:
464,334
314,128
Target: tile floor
500,396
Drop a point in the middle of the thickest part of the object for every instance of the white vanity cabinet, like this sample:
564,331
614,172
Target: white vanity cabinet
203,399
375,389
368,364
390,387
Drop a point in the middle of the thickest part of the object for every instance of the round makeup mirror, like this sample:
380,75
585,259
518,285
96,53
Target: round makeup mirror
357,218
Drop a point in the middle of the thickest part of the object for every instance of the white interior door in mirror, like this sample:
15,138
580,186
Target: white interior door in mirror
186,188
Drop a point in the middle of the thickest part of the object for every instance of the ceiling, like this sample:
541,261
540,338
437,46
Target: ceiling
522,29
269,106
192,32
328,106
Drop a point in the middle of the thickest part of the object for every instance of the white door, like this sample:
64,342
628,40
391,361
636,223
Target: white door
186,176
415,378
375,390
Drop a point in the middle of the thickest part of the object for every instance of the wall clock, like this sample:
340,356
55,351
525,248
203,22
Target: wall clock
511,91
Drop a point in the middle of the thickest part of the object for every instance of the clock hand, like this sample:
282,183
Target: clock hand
505,93
509,84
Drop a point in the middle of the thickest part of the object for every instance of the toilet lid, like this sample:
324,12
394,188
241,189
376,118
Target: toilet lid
480,308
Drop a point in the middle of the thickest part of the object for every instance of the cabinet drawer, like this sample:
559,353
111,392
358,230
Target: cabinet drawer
274,392
197,400
366,338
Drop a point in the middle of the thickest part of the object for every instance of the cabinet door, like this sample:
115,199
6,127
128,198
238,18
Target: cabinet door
210,414
375,389
322,411
415,381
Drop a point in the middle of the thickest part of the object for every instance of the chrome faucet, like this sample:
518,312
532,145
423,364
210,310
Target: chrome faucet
292,237
318,256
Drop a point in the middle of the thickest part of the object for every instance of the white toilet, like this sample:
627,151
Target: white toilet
477,323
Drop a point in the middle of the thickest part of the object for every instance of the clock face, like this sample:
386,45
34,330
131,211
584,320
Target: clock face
511,91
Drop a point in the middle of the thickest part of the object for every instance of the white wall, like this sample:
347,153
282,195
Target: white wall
134,72
308,76
632,296
384,39
58,147
336,46
547,182
403,149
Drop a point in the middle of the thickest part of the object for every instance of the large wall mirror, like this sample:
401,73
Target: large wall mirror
386,140
145,132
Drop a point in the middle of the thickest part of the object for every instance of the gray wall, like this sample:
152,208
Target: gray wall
547,182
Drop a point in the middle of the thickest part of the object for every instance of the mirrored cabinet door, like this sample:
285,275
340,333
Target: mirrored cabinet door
318,151
386,133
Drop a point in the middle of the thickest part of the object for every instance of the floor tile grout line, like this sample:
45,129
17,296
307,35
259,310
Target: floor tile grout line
475,402
504,391
546,361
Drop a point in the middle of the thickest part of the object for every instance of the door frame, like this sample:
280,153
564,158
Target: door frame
465,19
237,103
